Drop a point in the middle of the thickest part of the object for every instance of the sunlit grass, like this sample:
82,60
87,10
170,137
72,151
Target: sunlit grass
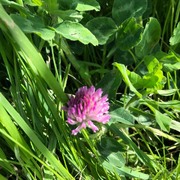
141,140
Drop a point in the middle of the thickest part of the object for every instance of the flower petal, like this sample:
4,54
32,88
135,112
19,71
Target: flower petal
86,106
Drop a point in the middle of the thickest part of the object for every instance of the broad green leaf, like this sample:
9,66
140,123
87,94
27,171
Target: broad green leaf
33,25
124,73
163,120
125,9
110,83
142,156
108,145
170,60
150,38
84,5
76,32
114,160
147,81
80,5
152,81
67,4
167,58
175,39
152,64
102,27
67,15
171,67
130,172
173,104
155,72
112,157
123,57
175,125
121,115
136,80
128,34
50,5
124,171
14,5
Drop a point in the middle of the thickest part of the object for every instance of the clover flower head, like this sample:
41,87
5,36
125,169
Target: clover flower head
86,107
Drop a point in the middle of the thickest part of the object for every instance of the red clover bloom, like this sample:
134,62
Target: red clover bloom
86,107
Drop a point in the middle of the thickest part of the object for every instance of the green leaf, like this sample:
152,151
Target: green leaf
129,34
150,38
171,67
128,171
142,156
67,15
147,81
110,83
155,72
33,25
67,4
167,92
112,157
84,5
170,60
124,73
167,58
163,120
114,160
104,30
175,125
50,5
14,5
108,145
136,80
121,115
125,9
175,39
76,32
173,104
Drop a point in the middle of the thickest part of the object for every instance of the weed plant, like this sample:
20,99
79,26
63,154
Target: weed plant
129,49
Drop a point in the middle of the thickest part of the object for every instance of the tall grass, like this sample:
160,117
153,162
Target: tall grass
48,49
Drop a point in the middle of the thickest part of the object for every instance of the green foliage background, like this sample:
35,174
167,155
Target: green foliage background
50,48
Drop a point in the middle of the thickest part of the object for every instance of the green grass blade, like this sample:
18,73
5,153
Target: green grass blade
124,73
142,156
4,164
31,55
30,133
2,177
